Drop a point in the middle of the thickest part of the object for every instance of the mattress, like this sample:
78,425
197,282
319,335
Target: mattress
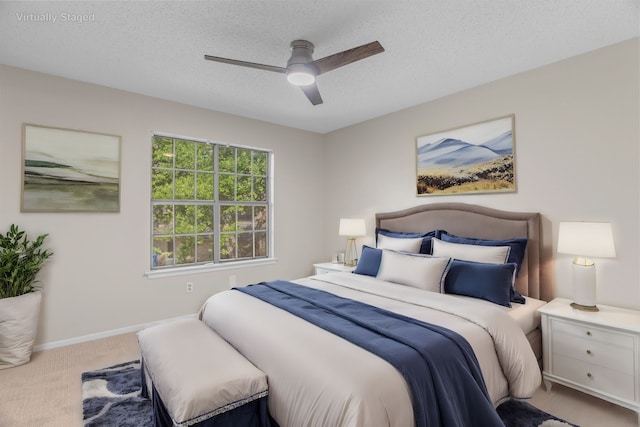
525,315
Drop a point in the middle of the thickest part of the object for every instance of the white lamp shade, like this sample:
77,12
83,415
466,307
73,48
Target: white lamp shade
589,239
352,227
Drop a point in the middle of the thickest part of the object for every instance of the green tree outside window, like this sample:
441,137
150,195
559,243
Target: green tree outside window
210,202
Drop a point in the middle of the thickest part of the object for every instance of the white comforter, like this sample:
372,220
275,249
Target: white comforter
318,379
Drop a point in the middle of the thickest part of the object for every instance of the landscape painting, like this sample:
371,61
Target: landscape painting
68,170
478,158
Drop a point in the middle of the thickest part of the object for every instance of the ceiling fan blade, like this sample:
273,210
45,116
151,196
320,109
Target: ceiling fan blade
246,64
312,93
346,57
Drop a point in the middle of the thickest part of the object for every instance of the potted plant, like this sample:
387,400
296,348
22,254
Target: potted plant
20,261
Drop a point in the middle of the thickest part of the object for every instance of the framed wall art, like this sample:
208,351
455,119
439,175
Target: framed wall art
66,170
478,158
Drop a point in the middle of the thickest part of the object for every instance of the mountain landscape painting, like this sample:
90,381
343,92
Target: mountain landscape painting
67,170
473,159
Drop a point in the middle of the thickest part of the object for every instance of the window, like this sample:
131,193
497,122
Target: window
210,202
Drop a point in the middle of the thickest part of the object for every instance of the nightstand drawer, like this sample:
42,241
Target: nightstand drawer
594,376
321,270
591,333
616,354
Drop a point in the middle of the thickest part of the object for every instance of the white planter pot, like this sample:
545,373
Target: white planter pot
18,326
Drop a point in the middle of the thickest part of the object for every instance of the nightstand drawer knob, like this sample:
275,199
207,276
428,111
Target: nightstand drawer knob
589,375
588,333
589,352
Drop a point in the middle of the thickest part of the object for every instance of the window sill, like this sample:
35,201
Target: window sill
197,269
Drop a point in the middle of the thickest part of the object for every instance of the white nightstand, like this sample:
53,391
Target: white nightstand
332,267
594,352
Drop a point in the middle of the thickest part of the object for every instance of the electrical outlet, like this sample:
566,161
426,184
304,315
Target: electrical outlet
189,287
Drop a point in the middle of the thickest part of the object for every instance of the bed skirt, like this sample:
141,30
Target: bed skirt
252,414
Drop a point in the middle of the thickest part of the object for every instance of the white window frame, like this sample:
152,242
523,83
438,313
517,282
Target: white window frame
196,268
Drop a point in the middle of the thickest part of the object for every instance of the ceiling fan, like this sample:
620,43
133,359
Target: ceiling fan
302,69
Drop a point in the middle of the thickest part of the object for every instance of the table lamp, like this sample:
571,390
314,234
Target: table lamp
585,240
352,228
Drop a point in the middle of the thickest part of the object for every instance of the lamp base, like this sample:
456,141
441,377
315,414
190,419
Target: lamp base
584,285
350,255
584,307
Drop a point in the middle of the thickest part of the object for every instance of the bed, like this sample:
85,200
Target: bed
317,378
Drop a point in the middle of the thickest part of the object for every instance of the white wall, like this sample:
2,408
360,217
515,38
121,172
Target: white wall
94,282
577,138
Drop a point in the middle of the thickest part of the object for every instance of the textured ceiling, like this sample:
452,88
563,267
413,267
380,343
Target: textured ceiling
433,48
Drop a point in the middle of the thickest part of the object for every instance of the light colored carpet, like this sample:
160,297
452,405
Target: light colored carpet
47,391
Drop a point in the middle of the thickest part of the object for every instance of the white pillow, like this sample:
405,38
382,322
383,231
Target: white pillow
476,253
402,244
419,271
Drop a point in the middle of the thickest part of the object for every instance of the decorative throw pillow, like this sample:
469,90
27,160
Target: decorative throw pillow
416,270
369,262
491,282
425,248
486,254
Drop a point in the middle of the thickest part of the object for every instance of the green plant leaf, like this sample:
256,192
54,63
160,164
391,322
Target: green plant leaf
20,262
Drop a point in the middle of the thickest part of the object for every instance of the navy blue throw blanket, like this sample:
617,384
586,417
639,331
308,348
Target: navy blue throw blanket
438,364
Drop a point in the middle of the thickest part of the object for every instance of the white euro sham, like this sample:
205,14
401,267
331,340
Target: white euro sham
474,253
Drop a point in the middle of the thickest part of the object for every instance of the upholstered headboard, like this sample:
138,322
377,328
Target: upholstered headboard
479,222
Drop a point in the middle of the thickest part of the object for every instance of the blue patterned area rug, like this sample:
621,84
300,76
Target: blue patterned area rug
111,397
516,413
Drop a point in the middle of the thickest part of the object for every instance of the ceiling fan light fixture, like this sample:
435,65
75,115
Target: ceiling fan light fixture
301,78
299,75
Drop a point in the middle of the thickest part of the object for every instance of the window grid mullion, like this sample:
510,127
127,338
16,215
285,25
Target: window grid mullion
195,197
216,204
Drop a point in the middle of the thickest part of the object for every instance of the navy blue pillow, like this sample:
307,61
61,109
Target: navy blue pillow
491,282
516,254
369,262
425,247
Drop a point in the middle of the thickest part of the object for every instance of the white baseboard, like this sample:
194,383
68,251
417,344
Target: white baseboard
105,334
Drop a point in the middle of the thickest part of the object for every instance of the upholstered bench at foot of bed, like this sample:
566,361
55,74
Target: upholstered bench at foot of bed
198,379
